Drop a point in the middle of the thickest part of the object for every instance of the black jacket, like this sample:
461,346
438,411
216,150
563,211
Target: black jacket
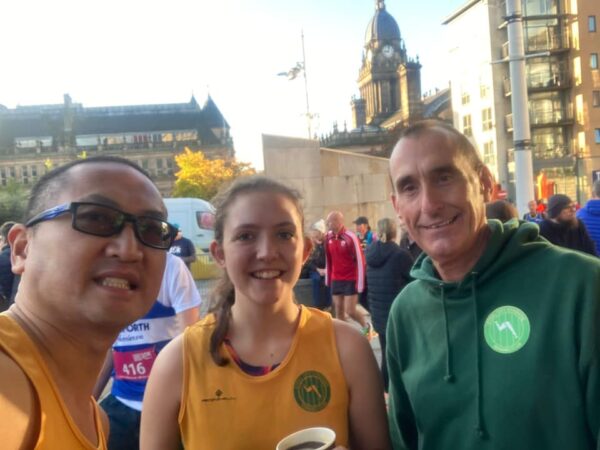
568,236
388,268
314,261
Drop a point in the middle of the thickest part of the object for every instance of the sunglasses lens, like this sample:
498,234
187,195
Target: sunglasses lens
98,220
154,232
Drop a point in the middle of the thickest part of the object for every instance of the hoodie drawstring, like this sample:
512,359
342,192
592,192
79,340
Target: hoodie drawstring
479,428
449,377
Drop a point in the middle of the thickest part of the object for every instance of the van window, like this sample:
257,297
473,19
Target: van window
206,220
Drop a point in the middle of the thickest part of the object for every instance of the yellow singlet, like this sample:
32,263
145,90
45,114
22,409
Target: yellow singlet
226,409
57,429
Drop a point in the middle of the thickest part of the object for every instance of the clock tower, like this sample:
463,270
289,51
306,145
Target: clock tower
385,73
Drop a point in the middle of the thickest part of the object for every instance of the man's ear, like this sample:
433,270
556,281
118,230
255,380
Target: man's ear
217,253
308,247
18,239
486,180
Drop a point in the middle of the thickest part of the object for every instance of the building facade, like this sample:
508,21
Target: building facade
561,47
389,82
33,139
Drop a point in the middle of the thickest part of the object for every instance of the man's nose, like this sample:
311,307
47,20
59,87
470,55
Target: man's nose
431,199
125,245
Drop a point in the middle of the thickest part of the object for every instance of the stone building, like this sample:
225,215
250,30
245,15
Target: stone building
389,83
35,138
328,179
561,44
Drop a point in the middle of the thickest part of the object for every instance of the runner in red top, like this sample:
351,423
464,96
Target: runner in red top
345,269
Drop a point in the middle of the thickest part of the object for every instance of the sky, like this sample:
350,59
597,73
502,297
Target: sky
132,52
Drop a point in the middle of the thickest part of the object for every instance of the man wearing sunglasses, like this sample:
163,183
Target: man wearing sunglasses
91,255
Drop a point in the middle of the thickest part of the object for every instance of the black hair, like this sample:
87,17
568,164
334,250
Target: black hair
48,186
223,295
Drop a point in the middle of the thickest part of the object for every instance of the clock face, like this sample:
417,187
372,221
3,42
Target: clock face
387,51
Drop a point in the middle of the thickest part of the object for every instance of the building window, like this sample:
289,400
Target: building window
489,156
594,61
465,98
467,130
592,24
484,91
596,99
486,119
597,135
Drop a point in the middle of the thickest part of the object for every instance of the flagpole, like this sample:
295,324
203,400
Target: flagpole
308,115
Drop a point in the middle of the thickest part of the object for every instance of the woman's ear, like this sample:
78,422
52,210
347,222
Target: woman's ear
308,247
216,250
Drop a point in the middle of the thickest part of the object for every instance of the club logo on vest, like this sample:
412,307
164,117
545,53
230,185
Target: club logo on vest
506,329
312,391
218,397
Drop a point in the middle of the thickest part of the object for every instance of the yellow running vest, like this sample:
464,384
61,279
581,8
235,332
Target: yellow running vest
223,408
57,429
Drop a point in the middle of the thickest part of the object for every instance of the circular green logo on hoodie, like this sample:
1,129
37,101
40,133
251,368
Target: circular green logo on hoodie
506,329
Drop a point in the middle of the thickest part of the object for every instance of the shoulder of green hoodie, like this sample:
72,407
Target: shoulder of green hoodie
563,278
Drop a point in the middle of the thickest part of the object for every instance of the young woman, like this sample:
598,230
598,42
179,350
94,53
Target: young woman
262,367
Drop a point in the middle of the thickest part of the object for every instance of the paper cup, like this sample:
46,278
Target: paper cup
309,437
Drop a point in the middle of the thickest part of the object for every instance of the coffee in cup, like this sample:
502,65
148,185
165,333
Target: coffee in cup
317,438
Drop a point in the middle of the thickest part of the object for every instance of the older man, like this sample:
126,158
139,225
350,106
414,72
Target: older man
91,257
478,355
345,270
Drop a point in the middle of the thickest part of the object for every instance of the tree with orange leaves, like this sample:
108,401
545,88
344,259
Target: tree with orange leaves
201,177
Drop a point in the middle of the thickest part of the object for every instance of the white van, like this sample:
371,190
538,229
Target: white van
195,217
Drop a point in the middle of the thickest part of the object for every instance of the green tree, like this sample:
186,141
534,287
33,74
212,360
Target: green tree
201,177
13,201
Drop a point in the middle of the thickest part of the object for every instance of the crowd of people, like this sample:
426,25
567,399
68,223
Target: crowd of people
489,325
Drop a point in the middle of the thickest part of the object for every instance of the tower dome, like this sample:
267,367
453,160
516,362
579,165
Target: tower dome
382,26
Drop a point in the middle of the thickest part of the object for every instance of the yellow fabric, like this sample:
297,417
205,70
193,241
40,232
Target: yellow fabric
57,429
224,408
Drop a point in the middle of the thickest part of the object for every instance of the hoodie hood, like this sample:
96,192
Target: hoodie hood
505,245
379,252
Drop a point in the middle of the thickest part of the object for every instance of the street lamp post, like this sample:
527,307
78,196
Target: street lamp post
308,114
292,74
519,104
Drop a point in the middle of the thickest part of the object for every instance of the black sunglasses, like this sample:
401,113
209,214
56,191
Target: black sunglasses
105,221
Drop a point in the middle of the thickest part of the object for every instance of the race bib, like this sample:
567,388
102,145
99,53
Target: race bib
134,364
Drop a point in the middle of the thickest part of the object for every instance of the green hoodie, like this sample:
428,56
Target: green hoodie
506,359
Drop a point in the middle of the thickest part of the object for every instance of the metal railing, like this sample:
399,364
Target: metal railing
549,38
550,116
545,152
